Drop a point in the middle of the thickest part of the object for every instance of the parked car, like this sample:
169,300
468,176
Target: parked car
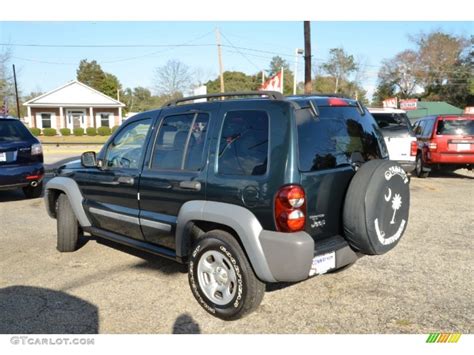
246,191
21,158
445,142
398,135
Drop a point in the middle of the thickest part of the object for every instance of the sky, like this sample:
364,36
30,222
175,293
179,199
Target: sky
247,46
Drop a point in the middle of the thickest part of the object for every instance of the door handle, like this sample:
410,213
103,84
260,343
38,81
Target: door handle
125,180
190,185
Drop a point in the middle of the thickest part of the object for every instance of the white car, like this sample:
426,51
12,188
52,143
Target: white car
398,134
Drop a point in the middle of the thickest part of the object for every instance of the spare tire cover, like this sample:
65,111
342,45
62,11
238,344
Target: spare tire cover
376,207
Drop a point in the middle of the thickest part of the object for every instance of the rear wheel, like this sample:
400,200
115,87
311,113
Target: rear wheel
420,166
67,224
221,278
33,192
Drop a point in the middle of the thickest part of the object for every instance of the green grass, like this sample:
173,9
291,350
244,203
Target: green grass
74,139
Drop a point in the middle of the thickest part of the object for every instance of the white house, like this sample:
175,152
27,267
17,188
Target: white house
73,105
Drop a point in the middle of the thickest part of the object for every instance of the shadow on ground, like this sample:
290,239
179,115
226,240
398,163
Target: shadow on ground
185,324
35,310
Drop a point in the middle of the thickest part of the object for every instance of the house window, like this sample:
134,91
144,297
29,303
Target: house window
104,119
46,120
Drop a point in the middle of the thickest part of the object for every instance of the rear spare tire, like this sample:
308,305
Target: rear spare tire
376,208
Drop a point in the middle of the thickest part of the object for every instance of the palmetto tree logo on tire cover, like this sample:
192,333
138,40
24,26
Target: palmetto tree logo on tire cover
396,204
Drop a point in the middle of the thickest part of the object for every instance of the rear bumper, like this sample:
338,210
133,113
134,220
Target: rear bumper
407,165
290,255
20,175
450,158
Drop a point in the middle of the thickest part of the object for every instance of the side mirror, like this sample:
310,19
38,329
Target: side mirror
88,160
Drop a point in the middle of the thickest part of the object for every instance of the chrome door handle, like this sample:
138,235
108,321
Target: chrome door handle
126,180
190,185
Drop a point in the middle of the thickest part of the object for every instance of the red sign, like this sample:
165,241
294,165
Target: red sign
390,103
275,83
410,104
469,110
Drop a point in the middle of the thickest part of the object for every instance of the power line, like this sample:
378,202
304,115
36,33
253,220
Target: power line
243,55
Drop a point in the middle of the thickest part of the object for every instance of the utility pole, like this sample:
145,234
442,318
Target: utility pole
298,51
16,93
219,53
307,58
263,77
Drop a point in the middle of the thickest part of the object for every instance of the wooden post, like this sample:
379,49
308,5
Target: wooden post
219,53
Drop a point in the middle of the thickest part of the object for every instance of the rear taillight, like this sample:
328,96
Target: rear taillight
335,101
36,149
432,146
413,148
290,208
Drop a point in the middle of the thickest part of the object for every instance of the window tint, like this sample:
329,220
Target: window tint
243,145
179,134
46,120
11,130
126,149
339,136
455,127
392,122
419,127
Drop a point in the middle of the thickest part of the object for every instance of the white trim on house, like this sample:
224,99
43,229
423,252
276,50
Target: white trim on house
39,119
69,120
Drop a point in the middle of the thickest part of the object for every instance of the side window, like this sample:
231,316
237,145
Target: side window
419,128
243,145
126,149
180,142
428,128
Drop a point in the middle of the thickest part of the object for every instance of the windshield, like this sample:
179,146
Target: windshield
392,121
455,127
11,130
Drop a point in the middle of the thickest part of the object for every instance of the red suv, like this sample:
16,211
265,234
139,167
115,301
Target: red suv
444,142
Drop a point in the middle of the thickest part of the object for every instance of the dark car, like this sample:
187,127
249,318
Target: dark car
245,191
21,158
445,142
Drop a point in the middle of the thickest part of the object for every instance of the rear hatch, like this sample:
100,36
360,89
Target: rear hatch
398,134
454,135
15,144
332,146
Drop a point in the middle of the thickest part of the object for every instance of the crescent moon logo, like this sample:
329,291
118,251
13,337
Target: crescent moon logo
387,198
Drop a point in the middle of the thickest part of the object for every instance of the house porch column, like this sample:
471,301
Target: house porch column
30,119
91,115
120,115
62,121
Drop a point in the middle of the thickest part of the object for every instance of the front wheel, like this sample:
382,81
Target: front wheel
67,226
221,278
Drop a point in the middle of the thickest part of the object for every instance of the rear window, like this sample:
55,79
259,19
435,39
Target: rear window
338,137
455,127
394,122
11,130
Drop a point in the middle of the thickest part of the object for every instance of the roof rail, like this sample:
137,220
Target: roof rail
322,95
272,95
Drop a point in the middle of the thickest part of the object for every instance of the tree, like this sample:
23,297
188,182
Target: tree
382,92
91,74
235,81
173,78
401,73
339,66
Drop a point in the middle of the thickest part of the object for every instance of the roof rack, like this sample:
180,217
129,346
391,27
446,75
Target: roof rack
322,95
272,95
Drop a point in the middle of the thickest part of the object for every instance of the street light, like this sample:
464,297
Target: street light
298,51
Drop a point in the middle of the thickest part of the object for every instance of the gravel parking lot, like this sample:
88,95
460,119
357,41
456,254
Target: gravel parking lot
424,285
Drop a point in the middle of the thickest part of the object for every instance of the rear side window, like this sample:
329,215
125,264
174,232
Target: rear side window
243,145
11,130
392,122
428,130
180,142
338,137
455,127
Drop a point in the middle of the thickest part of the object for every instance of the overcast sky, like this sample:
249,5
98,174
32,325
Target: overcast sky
247,46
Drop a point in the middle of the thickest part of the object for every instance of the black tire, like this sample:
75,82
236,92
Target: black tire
249,290
67,226
376,207
419,167
33,192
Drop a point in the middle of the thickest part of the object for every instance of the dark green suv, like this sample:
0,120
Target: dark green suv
255,189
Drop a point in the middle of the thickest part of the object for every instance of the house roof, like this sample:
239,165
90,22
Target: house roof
426,108
73,94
